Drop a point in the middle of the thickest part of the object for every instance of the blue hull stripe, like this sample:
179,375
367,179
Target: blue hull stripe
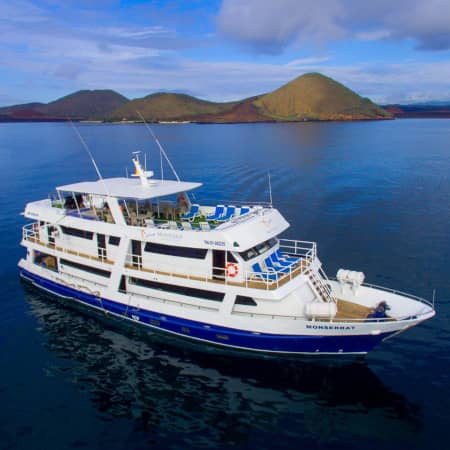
217,335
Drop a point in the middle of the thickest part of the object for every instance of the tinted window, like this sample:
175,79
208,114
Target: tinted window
243,300
185,252
94,270
258,249
77,233
231,258
114,240
191,292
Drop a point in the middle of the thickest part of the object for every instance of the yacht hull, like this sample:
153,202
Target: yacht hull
212,334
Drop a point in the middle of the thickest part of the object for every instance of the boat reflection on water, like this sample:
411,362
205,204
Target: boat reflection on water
175,393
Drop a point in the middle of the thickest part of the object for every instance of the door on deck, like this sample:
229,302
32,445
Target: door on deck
51,235
101,246
219,264
136,251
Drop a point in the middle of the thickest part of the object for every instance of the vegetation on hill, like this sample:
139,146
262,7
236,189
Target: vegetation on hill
167,106
316,97
84,104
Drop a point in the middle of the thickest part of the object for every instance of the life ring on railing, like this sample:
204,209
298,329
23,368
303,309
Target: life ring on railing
232,269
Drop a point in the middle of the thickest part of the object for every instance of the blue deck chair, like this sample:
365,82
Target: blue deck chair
229,214
244,210
279,261
218,213
266,276
192,214
286,258
276,267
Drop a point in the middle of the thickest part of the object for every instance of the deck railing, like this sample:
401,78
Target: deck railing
250,279
394,291
32,232
272,279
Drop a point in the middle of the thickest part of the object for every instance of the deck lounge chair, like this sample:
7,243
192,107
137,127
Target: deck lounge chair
186,226
280,261
244,210
228,215
173,225
276,267
218,213
192,214
285,257
266,276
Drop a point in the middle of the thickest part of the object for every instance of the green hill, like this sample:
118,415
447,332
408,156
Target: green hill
84,104
168,106
316,97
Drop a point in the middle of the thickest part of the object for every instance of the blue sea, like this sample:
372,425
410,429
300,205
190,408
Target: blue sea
376,198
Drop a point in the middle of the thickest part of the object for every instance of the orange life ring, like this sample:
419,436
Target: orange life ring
232,269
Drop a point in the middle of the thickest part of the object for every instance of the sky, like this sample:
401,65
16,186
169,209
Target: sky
392,51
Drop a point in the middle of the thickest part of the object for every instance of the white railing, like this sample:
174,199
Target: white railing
32,232
266,280
306,249
339,320
394,291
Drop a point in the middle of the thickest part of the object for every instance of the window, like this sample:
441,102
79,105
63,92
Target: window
246,301
45,260
93,270
123,284
183,290
231,258
258,249
184,252
77,233
114,240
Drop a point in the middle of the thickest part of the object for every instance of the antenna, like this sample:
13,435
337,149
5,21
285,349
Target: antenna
90,155
434,296
161,164
161,149
270,189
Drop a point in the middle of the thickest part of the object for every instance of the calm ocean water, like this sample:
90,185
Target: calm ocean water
374,195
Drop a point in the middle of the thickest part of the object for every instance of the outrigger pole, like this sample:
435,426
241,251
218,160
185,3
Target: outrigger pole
83,142
270,189
161,149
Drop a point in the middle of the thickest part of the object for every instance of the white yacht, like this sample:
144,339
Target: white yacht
140,250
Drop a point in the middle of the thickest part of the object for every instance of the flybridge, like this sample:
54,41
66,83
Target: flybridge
129,188
139,187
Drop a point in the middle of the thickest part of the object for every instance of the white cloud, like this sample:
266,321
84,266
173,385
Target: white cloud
270,26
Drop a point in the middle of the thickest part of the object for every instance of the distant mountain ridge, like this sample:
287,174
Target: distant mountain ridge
85,104
420,110
167,106
309,97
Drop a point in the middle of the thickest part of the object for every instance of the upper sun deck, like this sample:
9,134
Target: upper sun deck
146,204
129,188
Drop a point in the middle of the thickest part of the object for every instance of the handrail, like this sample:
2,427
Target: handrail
394,291
28,233
334,320
251,279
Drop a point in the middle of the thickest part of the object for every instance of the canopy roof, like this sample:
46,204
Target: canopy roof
130,188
